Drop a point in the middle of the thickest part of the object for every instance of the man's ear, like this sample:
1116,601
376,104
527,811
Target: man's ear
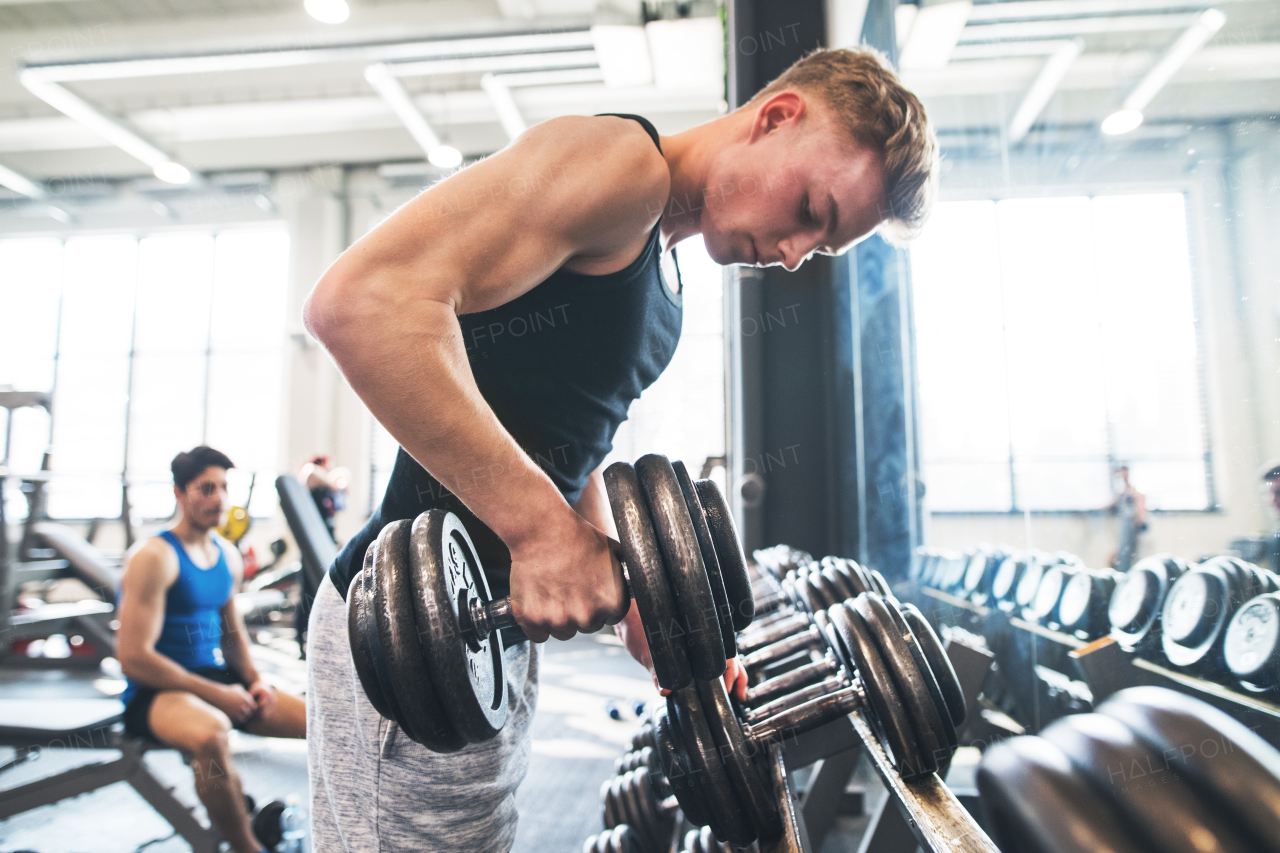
777,111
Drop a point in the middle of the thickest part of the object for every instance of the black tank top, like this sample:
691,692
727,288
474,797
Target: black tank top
559,366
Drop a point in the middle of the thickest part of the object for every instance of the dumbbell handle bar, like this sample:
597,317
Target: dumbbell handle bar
490,616
802,718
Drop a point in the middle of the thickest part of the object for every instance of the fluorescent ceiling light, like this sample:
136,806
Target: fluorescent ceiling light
1121,121
1206,24
505,105
20,183
328,11
506,63
1129,116
384,82
1042,89
623,54
933,35
687,53
445,157
109,128
173,173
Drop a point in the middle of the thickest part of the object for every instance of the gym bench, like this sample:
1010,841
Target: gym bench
30,725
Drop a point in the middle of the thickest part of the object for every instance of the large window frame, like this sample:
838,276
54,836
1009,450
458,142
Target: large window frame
264,503
1193,207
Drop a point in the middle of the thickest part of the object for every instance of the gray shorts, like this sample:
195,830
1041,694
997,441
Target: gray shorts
375,791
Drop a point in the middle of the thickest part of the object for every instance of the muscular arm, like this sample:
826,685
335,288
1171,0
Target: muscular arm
149,572
573,192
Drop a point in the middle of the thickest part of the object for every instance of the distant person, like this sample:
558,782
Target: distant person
1271,479
1131,505
328,487
183,647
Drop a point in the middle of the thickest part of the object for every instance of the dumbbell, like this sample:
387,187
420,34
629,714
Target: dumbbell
424,630
1136,604
1152,771
1199,607
703,841
636,798
1251,648
716,771
619,839
1082,608
1006,578
980,573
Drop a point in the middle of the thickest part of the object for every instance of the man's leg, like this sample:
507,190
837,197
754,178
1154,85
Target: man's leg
373,789
183,720
288,718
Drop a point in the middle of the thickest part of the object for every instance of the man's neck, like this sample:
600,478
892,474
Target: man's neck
688,155
191,534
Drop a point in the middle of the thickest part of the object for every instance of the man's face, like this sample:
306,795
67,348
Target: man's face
204,501
1274,487
797,187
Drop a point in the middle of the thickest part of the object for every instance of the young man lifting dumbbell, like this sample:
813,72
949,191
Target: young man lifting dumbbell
500,324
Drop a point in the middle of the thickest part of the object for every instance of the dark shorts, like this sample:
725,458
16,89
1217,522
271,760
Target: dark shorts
139,707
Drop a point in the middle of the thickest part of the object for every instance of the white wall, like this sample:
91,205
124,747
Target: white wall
1232,177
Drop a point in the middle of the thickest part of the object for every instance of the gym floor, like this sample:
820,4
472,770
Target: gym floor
575,743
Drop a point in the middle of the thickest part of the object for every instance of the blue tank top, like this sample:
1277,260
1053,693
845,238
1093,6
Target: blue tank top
192,631
559,365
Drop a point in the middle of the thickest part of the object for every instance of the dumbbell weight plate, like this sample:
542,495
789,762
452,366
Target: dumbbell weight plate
926,721
733,564
675,766
608,804
743,761
1195,612
948,728
416,685
363,638
1045,604
1164,807
975,572
710,561
729,821
839,581
939,663
1232,765
683,560
654,598
1006,577
1037,803
1252,644
631,795
466,673
1025,592
888,718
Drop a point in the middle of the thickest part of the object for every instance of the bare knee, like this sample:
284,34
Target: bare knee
214,742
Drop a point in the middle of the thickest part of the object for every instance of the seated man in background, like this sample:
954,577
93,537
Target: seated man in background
183,647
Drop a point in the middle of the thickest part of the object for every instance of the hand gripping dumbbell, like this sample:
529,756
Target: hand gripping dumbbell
424,631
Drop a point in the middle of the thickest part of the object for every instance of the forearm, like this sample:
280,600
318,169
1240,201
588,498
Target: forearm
154,670
235,649
406,360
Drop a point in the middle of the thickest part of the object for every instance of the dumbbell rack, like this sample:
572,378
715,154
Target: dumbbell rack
1106,668
927,814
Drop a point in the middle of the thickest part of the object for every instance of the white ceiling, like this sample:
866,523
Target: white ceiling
324,111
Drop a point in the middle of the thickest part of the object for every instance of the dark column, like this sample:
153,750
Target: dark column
821,360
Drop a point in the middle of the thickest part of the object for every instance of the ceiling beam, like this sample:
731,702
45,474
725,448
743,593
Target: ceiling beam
1042,89
513,122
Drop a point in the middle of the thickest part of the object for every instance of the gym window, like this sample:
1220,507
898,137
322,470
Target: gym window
1056,338
151,345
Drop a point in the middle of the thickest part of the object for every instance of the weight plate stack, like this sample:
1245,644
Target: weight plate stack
1198,609
1153,771
1252,645
1138,600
